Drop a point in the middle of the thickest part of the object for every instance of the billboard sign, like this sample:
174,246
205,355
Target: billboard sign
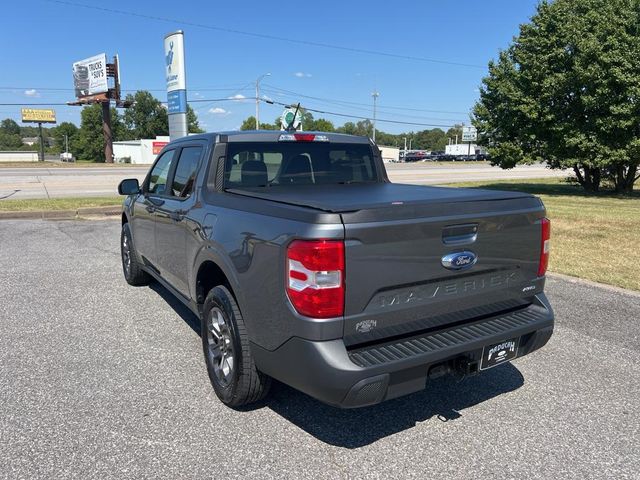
469,134
90,76
39,115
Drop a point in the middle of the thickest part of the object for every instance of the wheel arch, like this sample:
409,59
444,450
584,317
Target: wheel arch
209,274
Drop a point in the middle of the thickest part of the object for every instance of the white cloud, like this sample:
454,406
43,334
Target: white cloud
197,95
302,75
218,111
238,97
32,92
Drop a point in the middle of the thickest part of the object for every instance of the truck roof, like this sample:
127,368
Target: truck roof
269,136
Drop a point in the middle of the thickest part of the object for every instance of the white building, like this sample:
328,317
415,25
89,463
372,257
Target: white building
463,149
138,151
389,154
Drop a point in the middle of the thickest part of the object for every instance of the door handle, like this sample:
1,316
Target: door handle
150,208
460,234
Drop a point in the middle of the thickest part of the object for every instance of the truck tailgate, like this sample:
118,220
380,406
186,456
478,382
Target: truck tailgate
396,283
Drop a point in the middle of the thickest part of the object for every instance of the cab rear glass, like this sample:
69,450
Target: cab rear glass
262,164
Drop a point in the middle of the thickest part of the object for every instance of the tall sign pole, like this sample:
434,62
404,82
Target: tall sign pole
176,84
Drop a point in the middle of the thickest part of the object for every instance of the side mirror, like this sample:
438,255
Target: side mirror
129,186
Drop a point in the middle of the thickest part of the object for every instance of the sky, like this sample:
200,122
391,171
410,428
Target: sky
430,56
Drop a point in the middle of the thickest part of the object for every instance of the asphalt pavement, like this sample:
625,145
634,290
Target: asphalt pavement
58,182
102,380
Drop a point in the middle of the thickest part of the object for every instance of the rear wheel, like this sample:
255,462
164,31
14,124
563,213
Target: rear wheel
133,272
227,353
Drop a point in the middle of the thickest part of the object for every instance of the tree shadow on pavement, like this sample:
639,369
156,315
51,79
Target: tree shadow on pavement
444,398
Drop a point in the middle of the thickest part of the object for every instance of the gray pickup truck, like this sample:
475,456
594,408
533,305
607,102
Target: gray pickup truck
307,265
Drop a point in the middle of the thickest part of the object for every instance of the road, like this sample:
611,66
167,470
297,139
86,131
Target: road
102,380
35,182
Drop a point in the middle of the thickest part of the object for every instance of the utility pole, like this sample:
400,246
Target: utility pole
106,131
41,153
375,96
410,143
66,143
405,144
258,99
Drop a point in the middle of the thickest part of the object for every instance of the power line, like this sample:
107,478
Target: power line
265,36
346,102
356,106
325,112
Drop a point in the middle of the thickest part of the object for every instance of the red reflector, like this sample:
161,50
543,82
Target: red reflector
545,245
315,277
304,137
298,275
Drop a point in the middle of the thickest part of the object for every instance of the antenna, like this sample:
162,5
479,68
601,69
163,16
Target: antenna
295,115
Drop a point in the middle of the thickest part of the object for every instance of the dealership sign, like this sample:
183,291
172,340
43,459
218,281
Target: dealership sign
174,69
39,115
90,76
174,61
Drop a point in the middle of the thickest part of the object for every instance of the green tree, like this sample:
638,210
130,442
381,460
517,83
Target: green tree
146,117
10,141
453,133
58,133
320,125
9,127
90,139
567,91
250,124
192,121
434,139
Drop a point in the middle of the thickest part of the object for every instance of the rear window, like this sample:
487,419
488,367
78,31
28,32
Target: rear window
261,164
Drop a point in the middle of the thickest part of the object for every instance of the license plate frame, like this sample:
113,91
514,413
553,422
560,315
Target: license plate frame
499,353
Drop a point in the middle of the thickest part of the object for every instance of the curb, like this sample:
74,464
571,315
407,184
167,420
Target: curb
591,283
62,214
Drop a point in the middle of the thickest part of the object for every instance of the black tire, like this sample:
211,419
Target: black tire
236,382
133,272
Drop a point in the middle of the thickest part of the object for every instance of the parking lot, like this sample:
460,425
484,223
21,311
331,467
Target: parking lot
102,380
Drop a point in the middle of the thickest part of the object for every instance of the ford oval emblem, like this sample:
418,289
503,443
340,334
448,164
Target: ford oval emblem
459,260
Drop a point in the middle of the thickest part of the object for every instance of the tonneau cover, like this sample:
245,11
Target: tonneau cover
354,197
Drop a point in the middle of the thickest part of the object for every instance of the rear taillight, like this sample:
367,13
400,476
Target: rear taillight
315,277
544,247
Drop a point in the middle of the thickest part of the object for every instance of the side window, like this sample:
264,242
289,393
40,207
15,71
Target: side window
186,171
160,173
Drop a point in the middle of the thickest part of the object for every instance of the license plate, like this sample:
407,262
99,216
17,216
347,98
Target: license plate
499,353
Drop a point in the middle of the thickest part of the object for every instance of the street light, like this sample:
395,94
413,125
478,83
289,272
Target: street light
258,99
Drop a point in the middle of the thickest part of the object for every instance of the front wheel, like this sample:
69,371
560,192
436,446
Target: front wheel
133,272
227,353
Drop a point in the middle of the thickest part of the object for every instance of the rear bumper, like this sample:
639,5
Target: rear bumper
368,375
